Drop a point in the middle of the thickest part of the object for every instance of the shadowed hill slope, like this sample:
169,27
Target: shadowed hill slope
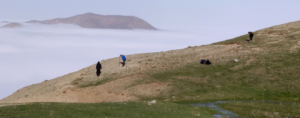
91,20
268,69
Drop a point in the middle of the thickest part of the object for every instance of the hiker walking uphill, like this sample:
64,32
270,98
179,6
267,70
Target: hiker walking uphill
250,36
124,59
98,67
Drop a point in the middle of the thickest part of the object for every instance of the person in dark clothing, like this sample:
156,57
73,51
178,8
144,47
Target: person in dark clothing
208,62
124,59
98,67
250,36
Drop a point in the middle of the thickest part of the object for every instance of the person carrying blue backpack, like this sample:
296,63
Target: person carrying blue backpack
124,59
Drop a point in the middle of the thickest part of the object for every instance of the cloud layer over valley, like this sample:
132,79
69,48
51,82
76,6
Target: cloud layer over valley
33,53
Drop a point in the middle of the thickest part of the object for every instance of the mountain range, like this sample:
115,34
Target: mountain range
11,25
91,20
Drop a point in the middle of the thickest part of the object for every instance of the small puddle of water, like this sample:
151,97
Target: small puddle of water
229,114
217,115
213,105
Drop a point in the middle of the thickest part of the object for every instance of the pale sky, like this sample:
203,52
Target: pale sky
176,14
59,50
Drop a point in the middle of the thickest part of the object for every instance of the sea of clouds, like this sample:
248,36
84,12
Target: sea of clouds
34,52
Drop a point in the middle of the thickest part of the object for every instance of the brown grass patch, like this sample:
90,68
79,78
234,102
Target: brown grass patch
150,90
192,79
234,43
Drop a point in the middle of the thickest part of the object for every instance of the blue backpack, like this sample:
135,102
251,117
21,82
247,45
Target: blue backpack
123,57
202,61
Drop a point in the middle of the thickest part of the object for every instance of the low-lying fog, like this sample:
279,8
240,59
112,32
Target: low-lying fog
34,53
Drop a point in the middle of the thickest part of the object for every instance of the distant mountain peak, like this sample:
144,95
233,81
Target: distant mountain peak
4,22
12,25
92,20
89,13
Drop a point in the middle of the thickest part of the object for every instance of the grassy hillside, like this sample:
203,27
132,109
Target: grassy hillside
266,109
103,110
267,70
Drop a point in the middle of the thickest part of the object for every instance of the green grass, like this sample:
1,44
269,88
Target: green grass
269,76
239,39
258,109
104,110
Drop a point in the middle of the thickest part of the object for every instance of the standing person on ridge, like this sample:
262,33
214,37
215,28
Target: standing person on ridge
98,67
124,59
250,36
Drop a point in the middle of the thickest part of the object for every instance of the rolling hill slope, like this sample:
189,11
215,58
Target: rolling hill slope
268,69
